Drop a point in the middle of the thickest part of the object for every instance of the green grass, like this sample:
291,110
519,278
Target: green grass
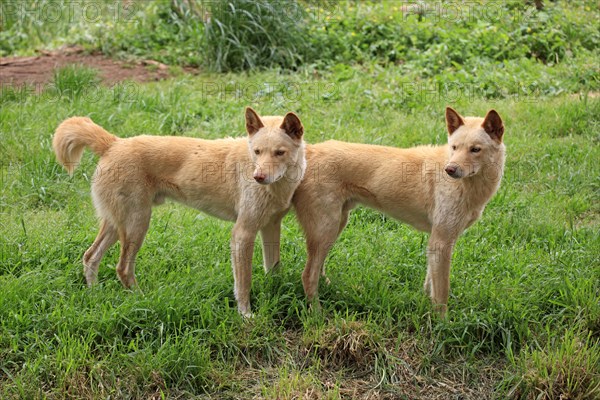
504,47
524,279
524,319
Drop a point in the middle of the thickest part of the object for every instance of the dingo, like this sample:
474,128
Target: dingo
441,190
250,181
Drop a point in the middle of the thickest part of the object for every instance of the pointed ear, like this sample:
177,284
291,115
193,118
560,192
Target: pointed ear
253,121
292,126
493,125
453,120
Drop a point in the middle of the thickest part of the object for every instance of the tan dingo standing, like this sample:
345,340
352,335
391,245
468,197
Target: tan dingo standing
247,180
441,190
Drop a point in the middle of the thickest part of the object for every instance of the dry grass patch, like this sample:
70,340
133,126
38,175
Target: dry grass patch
347,344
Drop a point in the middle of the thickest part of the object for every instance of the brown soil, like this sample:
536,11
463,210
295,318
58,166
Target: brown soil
38,70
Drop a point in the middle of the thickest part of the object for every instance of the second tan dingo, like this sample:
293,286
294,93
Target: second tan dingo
441,190
247,180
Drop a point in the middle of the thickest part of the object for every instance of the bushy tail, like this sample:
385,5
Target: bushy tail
73,135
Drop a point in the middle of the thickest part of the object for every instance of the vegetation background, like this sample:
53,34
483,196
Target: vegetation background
524,318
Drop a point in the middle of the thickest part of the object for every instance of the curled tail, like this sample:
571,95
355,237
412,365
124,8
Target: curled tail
73,135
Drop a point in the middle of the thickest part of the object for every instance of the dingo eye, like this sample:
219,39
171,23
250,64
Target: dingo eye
279,153
475,150
453,147
257,152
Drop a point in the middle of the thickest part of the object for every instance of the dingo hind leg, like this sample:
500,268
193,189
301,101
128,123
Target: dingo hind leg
107,236
131,236
322,223
318,244
348,206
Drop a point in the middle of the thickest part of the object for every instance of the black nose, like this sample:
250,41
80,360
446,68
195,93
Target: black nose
450,170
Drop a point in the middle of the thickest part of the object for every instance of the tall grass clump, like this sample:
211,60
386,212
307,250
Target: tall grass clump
75,80
569,369
247,34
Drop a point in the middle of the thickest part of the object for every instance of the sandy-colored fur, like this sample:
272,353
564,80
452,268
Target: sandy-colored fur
412,185
247,180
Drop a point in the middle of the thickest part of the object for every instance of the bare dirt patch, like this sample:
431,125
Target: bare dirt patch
38,70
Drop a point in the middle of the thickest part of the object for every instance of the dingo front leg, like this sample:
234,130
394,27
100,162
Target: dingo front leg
439,254
271,236
242,247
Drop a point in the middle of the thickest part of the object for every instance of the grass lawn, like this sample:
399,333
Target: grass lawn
524,312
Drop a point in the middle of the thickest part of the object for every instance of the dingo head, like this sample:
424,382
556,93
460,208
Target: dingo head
474,143
276,147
